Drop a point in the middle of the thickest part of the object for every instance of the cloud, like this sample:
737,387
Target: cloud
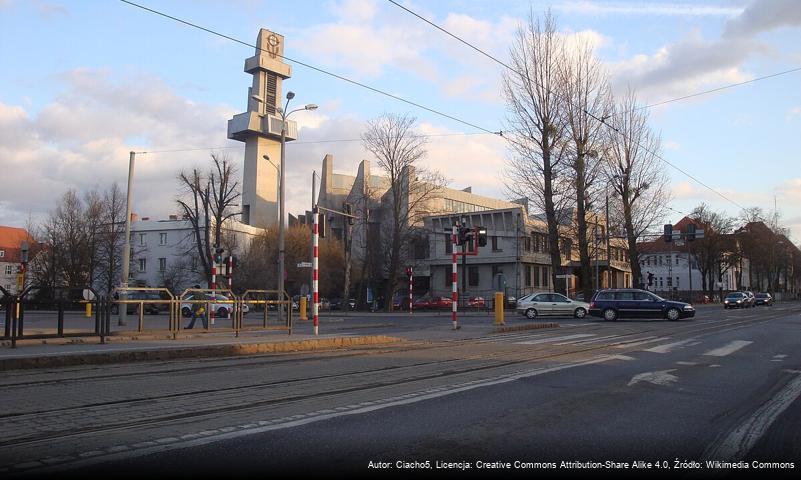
684,67
793,114
656,9
82,140
764,15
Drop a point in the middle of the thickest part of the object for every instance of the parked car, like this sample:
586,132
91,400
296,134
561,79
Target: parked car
763,298
612,304
149,308
541,304
435,303
736,300
751,298
222,306
476,302
336,304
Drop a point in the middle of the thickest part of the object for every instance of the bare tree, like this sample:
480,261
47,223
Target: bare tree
109,248
398,150
211,200
537,129
712,250
636,173
587,100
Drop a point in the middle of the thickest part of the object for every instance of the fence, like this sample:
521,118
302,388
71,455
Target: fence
40,313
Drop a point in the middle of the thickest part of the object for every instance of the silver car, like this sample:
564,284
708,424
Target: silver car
542,304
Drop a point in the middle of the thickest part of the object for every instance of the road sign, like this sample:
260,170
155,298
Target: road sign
88,295
304,264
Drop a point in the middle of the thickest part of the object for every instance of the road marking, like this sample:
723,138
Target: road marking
641,341
740,441
668,347
778,358
691,364
555,339
728,349
661,377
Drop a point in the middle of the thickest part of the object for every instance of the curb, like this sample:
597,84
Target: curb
230,350
528,326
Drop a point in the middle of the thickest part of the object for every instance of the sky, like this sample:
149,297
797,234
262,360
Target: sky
85,82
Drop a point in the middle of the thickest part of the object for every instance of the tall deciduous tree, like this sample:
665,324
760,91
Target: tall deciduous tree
209,200
398,150
586,100
537,130
636,173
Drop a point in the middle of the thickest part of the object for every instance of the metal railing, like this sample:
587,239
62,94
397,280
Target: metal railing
66,314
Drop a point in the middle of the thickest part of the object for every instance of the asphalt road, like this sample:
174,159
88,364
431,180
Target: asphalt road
723,387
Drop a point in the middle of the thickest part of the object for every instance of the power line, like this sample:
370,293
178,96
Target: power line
337,76
602,120
311,142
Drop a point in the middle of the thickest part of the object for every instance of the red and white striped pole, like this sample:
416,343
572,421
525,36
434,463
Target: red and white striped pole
315,239
213,288
454,296
411,282
230,262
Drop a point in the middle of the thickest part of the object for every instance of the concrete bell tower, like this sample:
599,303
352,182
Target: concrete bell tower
260,128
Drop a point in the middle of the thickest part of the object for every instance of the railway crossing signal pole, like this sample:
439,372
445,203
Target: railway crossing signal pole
454,291
315,270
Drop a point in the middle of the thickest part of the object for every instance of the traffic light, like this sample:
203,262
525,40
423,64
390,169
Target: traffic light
408,271
668,233
349,212
482,236
650,279
691,232
322,223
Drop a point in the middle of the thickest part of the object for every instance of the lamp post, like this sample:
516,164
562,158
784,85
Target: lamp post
281,190
126,250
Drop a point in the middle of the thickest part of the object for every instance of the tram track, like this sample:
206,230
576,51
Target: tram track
361,381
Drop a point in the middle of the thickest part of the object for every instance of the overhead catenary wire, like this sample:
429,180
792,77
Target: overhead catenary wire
602,120
312,67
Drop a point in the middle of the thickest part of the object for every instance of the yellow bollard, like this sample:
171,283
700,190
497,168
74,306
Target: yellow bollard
88,310
303,308
499,309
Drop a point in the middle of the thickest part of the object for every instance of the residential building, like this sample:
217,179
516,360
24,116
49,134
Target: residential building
164,252
11,239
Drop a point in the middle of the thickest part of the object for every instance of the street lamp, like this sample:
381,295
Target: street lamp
284,114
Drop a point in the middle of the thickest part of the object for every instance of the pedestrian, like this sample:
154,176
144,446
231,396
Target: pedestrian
198,309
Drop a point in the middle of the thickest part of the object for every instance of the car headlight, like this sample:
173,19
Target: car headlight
688,307
739,301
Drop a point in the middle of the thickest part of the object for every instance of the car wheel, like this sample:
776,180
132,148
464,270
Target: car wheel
222,312
531,313
186,312
610,315
580,313
673,314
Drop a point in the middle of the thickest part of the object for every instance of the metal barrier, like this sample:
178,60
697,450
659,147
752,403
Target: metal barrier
64,305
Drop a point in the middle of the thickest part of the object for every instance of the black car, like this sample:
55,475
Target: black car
763,298
150,308
634,303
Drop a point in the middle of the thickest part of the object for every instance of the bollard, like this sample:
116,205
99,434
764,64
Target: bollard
303,308
499,309
88,310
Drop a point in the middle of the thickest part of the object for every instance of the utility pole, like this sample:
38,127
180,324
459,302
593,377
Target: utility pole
608,252
126,251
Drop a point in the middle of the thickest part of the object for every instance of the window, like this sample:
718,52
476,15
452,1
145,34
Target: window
162,264
495,244
648,261
9,270
194,262
2,253
669,282
162,239
142,237
677,282
527,244
448,276
528,276
624,296
448,244
142,264
472,276
536,274
660,260
677,260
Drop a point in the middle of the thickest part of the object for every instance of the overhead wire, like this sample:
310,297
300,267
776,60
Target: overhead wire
602,120
312,67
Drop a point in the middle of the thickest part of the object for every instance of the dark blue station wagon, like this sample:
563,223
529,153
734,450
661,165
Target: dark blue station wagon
634,303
